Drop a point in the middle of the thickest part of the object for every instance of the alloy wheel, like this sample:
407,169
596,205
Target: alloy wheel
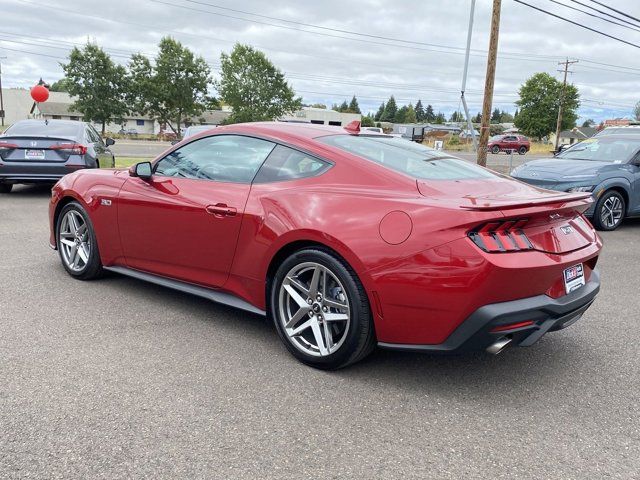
611,212
314,309
74,241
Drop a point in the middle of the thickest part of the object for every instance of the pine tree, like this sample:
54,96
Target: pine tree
420,113
390,111
429,115
379,113
353,106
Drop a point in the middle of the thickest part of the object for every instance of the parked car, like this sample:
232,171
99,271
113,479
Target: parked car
37,151
621,130
509,143
345,240
373,130
167,135
129,131
608,167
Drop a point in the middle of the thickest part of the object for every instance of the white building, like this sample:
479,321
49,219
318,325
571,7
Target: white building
321,116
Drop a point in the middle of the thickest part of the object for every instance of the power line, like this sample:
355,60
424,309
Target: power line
576,23
617,11
634,28
603,12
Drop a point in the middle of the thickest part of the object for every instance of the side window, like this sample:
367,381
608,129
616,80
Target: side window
285,163
93,135
221,158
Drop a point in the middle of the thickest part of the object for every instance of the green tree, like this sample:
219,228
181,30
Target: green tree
353,106
61,85
477,118
515,115
367,121
495,115
254,87
98,85
539,103
172,89
379,113
588,123
390,110
439,118
319,105
344,107
410,115
506,117
636,111
401,115
420,113
456,117
429,115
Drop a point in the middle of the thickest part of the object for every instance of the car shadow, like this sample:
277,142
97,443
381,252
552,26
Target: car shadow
519,371
32,191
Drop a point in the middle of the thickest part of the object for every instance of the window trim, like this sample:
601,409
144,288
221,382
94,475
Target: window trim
328,166
276,142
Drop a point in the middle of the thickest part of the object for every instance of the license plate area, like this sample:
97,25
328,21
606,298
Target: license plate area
573,278
34,155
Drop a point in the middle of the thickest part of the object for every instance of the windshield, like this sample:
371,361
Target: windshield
48,129
603,149
407,157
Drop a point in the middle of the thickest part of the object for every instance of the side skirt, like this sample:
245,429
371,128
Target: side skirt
210,294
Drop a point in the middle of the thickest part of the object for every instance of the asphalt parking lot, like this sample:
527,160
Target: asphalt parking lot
117,378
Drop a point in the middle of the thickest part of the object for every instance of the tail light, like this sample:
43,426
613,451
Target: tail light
6,147
501,236
70,148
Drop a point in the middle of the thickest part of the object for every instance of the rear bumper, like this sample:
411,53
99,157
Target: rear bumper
21,172
548,314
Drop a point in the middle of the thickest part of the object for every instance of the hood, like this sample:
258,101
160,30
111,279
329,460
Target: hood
493,194
560,170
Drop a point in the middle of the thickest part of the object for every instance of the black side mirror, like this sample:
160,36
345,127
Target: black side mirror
142,170
109,141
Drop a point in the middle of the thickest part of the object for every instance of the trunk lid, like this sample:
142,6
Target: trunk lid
34,149
551,221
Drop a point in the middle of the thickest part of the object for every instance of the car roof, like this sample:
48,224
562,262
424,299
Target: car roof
284,130
47,121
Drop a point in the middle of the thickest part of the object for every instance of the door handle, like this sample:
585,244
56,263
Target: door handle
221,210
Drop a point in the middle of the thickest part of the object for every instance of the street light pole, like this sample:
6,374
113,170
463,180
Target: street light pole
488,85
464,78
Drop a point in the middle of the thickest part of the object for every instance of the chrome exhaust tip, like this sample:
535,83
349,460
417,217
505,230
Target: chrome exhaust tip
499,345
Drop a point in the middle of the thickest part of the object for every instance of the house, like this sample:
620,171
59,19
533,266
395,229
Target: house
575,135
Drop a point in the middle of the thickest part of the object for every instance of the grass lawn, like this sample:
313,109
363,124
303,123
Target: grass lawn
126,162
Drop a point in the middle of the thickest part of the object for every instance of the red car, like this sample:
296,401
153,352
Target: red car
345,240
509,143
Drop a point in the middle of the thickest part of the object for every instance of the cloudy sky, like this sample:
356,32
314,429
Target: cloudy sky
420,54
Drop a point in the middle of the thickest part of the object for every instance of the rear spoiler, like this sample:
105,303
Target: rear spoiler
566,199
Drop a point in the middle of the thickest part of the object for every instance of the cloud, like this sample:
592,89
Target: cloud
328,66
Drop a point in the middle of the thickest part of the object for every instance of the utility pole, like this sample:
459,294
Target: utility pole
472,131
1,99
488,84
566,64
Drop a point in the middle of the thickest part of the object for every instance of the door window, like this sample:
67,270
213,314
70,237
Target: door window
221,158
285,163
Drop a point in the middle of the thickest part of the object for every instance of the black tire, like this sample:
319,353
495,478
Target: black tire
608,224
360,338
522,150
6,187
93,268
495,149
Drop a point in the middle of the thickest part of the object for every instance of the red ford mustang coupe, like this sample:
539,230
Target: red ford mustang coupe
345,240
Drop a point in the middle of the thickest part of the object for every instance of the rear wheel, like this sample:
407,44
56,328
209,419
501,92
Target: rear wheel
76,242
609,211
321,311
522,150
495,149
6,187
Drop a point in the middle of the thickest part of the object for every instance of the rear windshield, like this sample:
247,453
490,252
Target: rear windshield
407,157
50,129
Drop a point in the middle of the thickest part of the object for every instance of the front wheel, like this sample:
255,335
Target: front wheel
495,149
77,244
321,311
609,211
6,187
522,150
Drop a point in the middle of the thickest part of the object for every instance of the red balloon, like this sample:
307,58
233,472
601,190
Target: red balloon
40,93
